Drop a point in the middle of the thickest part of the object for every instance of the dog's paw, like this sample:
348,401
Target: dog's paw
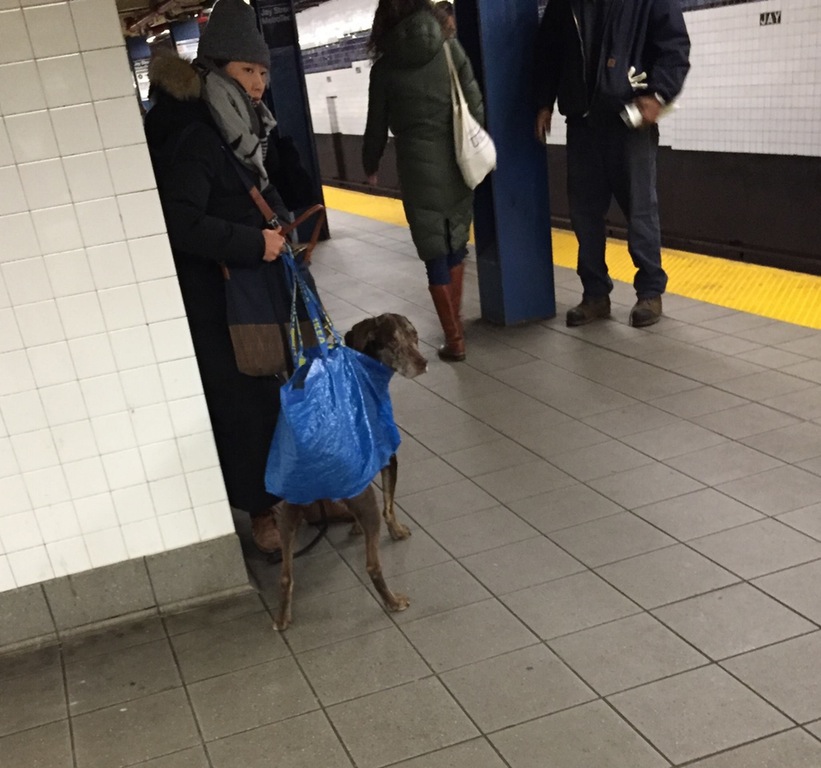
398,531
400,603
356,529
281,624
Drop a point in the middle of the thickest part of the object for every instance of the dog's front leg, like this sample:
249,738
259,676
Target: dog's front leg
366,510
288,517
396,529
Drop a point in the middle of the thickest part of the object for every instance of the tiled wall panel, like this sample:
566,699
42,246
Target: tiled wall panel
106,450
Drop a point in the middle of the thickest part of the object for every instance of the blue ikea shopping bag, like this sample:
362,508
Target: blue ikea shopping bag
335,429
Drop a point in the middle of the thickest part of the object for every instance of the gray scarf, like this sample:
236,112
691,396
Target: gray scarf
240,123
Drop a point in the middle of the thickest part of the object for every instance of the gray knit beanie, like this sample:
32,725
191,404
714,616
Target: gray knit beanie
231,34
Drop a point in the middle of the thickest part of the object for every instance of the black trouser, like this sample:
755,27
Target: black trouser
606,159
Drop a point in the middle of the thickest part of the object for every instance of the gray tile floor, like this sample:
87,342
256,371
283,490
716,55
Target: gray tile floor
615,563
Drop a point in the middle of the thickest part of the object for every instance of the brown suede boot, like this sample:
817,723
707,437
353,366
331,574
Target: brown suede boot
646,312
265,533
453,350
589,310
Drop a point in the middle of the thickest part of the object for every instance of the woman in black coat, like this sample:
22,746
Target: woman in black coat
200,111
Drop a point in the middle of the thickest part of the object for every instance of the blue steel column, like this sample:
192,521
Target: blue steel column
288,91
513,244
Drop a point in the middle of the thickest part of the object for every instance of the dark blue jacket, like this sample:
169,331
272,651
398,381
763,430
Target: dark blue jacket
649,35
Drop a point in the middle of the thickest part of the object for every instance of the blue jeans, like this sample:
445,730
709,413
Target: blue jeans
606,159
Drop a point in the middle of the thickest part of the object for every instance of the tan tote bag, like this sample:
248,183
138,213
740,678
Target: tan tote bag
475,151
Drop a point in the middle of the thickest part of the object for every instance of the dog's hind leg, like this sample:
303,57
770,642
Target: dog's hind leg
396,529
366,510
288,517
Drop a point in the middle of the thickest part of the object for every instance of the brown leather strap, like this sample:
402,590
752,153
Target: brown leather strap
320,220
263,206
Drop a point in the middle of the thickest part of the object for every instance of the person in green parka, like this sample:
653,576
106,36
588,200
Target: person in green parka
410,95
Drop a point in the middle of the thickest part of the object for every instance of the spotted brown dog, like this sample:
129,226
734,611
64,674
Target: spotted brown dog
392,340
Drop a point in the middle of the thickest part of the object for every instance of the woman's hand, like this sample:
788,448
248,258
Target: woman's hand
274,244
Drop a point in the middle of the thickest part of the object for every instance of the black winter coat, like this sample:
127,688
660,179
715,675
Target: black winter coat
212,219
649,35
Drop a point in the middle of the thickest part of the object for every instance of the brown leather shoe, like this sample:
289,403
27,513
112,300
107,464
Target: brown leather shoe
265,533
595,308
646,312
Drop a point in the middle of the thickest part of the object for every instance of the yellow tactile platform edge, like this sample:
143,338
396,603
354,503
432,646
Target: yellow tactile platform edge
792,297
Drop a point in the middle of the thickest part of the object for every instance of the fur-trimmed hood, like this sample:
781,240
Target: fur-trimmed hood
176,76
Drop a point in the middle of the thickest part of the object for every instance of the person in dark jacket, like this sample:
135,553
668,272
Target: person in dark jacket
410,95
207,133
614,66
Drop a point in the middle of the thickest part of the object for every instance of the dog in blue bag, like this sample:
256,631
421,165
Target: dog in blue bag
336,432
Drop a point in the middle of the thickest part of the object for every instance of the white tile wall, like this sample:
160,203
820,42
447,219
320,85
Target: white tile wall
103,426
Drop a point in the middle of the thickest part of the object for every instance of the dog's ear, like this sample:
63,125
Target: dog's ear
361,334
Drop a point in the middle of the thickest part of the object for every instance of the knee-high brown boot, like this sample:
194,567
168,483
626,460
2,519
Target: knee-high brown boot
454,349
457,278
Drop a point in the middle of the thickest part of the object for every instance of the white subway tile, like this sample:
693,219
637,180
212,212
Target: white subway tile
120,121
161,460
132,347
142,386
8,461
170,494
152,423
31,136
6,576
68,556
172,340
190,416
64,80
23,412
131,168
198,452
57,522
15,374
111,265
51,30
95,513
13,200
143,538
18,237
97,24
86,477
30,566
46,486
44,183
57,229
69,273
92,356
162,299
142,214
76,129
124,468
20,88
39,323
151,257
20,532
6,155
133,504
100,222
51,364
14,37
103,395
206,486
113,432
214,520
109,74
122,307
63,403
10,338
27,281
15,496
81,315
35,450
106,547
88,176
181,378
179,529
75,440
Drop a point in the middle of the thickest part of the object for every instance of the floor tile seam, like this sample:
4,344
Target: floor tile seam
30,728
707,662
594,567
75,662
781,464
730,749
815,622
122,702
779,515
481,737
67,704
213,624
805,729
168,754
725,659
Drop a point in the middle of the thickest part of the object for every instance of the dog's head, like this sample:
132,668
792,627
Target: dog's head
392,340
